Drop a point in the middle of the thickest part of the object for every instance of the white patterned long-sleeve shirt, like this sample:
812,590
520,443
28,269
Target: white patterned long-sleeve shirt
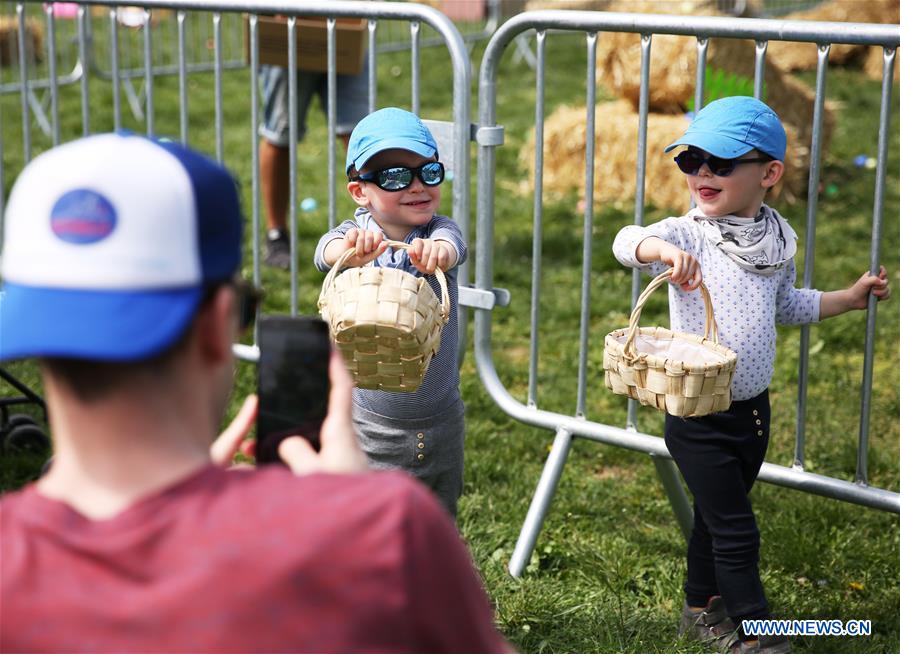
747,305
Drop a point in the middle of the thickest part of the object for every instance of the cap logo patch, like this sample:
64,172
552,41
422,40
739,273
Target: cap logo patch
82,216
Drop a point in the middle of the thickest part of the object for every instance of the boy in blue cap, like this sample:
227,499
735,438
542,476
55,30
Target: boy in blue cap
395,176
735,154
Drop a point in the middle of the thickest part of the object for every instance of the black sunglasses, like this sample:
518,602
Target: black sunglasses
249,298
397,178
690,162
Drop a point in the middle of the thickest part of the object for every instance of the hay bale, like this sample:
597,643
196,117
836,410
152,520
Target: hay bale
9,44
615,150
802,56
572,5
873,64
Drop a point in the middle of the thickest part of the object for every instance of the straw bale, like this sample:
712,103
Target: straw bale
572,5
9,45
672,59
802,56
616,157
873,64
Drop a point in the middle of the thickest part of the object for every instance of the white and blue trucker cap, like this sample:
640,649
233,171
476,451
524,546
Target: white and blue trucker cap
108,246
388,129
733,126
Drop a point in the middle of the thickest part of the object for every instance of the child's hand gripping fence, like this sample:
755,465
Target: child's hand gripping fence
386,322
681,374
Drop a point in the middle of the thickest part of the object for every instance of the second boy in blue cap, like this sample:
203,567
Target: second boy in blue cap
395,176
735,152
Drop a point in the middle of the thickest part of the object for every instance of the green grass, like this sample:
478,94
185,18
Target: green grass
607,572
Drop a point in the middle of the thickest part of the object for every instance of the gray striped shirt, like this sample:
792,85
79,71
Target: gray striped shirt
440,388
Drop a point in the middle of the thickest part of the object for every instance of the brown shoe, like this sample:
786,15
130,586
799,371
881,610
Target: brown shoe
765,645
711,625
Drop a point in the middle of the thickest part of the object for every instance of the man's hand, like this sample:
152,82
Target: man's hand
427,254
234,438
340,451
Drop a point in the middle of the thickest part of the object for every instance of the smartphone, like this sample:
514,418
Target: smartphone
292,382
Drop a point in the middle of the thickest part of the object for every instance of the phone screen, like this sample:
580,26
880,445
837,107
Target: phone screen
292,382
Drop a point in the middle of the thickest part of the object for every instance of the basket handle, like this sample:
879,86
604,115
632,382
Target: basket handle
711,330
341,263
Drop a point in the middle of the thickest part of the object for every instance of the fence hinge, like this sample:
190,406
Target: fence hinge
491,136
480,299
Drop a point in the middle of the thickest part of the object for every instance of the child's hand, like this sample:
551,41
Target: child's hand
369,245
858,294
427,255
834,303
685,268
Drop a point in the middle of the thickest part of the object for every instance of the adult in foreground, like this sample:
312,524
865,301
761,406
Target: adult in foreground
119,265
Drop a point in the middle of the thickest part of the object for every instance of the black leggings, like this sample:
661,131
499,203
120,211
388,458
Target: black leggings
719,456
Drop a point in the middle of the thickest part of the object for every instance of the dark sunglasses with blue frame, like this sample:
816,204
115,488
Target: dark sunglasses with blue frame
691,161
398,178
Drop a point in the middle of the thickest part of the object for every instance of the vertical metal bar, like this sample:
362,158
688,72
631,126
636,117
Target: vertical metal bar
671,481
114,68
217,65
759,70
23,77
862,452
292,155
643,110
148,69
51,63
414,36
587,246
83,18
543,495
537,234
812,202
254,151
373,63
700,84
332,121
182,78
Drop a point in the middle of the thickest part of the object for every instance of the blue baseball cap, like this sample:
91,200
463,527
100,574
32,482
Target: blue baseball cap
733,126
109,243
387,129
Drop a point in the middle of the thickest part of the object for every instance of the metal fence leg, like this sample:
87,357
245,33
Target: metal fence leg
671,481
543,495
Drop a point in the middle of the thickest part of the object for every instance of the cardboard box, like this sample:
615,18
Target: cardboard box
463,10
312,43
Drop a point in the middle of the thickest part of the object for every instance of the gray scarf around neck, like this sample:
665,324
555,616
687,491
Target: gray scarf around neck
761,245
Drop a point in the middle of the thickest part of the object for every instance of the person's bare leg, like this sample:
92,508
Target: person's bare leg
274,173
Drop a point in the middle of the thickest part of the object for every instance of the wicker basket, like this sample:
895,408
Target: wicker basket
386,322
681,374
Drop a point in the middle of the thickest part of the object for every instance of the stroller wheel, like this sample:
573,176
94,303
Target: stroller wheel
17,420
27,437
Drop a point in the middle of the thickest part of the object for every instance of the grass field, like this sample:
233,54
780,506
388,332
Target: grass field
608,569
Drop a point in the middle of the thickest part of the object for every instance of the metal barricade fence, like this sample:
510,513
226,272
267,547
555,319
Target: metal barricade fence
181,38
570,426
453,137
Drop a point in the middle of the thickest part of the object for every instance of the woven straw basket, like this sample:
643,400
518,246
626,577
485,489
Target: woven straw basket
386,322
681,374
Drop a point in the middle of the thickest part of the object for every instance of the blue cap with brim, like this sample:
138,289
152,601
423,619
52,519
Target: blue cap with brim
388,129
110,242
733,126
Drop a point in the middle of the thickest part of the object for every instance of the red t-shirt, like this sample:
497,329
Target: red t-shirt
243,561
